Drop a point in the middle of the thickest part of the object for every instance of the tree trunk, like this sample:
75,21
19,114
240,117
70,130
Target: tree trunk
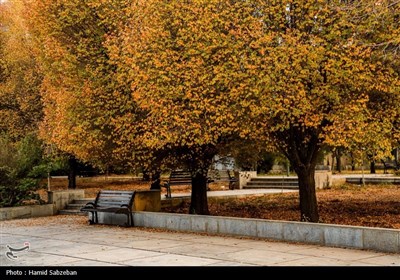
155,180
146,175
396,157
199,163
199,203
353,163
372,167
302,148
72,172
308,198
338,155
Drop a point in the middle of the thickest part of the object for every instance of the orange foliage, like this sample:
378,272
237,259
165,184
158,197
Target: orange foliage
148,79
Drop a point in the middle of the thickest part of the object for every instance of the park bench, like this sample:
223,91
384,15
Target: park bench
182,177
224,176
110,201
179,178
389,164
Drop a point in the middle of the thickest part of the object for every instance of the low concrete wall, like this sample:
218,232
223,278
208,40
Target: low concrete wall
147,200
373,180
245,176
28,211
323,179
60,199
378,239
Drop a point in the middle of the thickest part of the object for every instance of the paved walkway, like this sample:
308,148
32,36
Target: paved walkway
70,241
236,193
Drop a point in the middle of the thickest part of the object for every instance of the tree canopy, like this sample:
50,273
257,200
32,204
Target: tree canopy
20,101
79,93
160,81
322,77
182,62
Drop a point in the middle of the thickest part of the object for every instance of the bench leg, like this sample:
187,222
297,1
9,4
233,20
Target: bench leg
91,219
129,221
168,192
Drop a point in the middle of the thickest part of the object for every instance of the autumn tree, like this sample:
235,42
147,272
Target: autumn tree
183,64
321,77
20,101
80,96
21,152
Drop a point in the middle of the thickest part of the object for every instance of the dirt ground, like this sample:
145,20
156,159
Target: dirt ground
371,206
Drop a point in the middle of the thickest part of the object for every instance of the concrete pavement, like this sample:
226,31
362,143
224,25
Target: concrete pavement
232,193
70,241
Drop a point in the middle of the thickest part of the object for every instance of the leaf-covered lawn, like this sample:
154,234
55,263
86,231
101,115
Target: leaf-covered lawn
372,206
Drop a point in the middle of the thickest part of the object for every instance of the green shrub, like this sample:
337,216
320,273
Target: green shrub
18,193
21,168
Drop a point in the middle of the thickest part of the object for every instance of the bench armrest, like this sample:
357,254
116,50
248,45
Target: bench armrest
90,204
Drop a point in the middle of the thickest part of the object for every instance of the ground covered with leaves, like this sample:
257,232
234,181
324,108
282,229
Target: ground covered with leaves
371,205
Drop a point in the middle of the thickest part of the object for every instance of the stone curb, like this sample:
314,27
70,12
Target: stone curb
377,239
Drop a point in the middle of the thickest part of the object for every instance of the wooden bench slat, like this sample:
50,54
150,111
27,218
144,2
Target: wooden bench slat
116,199
116,191
105,204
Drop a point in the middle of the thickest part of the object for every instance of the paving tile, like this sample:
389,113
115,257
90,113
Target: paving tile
202,250
312,261
120,240
386,260
260,257
119,255
90,263
275,246
75,250
221,240
336,253
156,245
228,263
16,239
171,260
36,259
